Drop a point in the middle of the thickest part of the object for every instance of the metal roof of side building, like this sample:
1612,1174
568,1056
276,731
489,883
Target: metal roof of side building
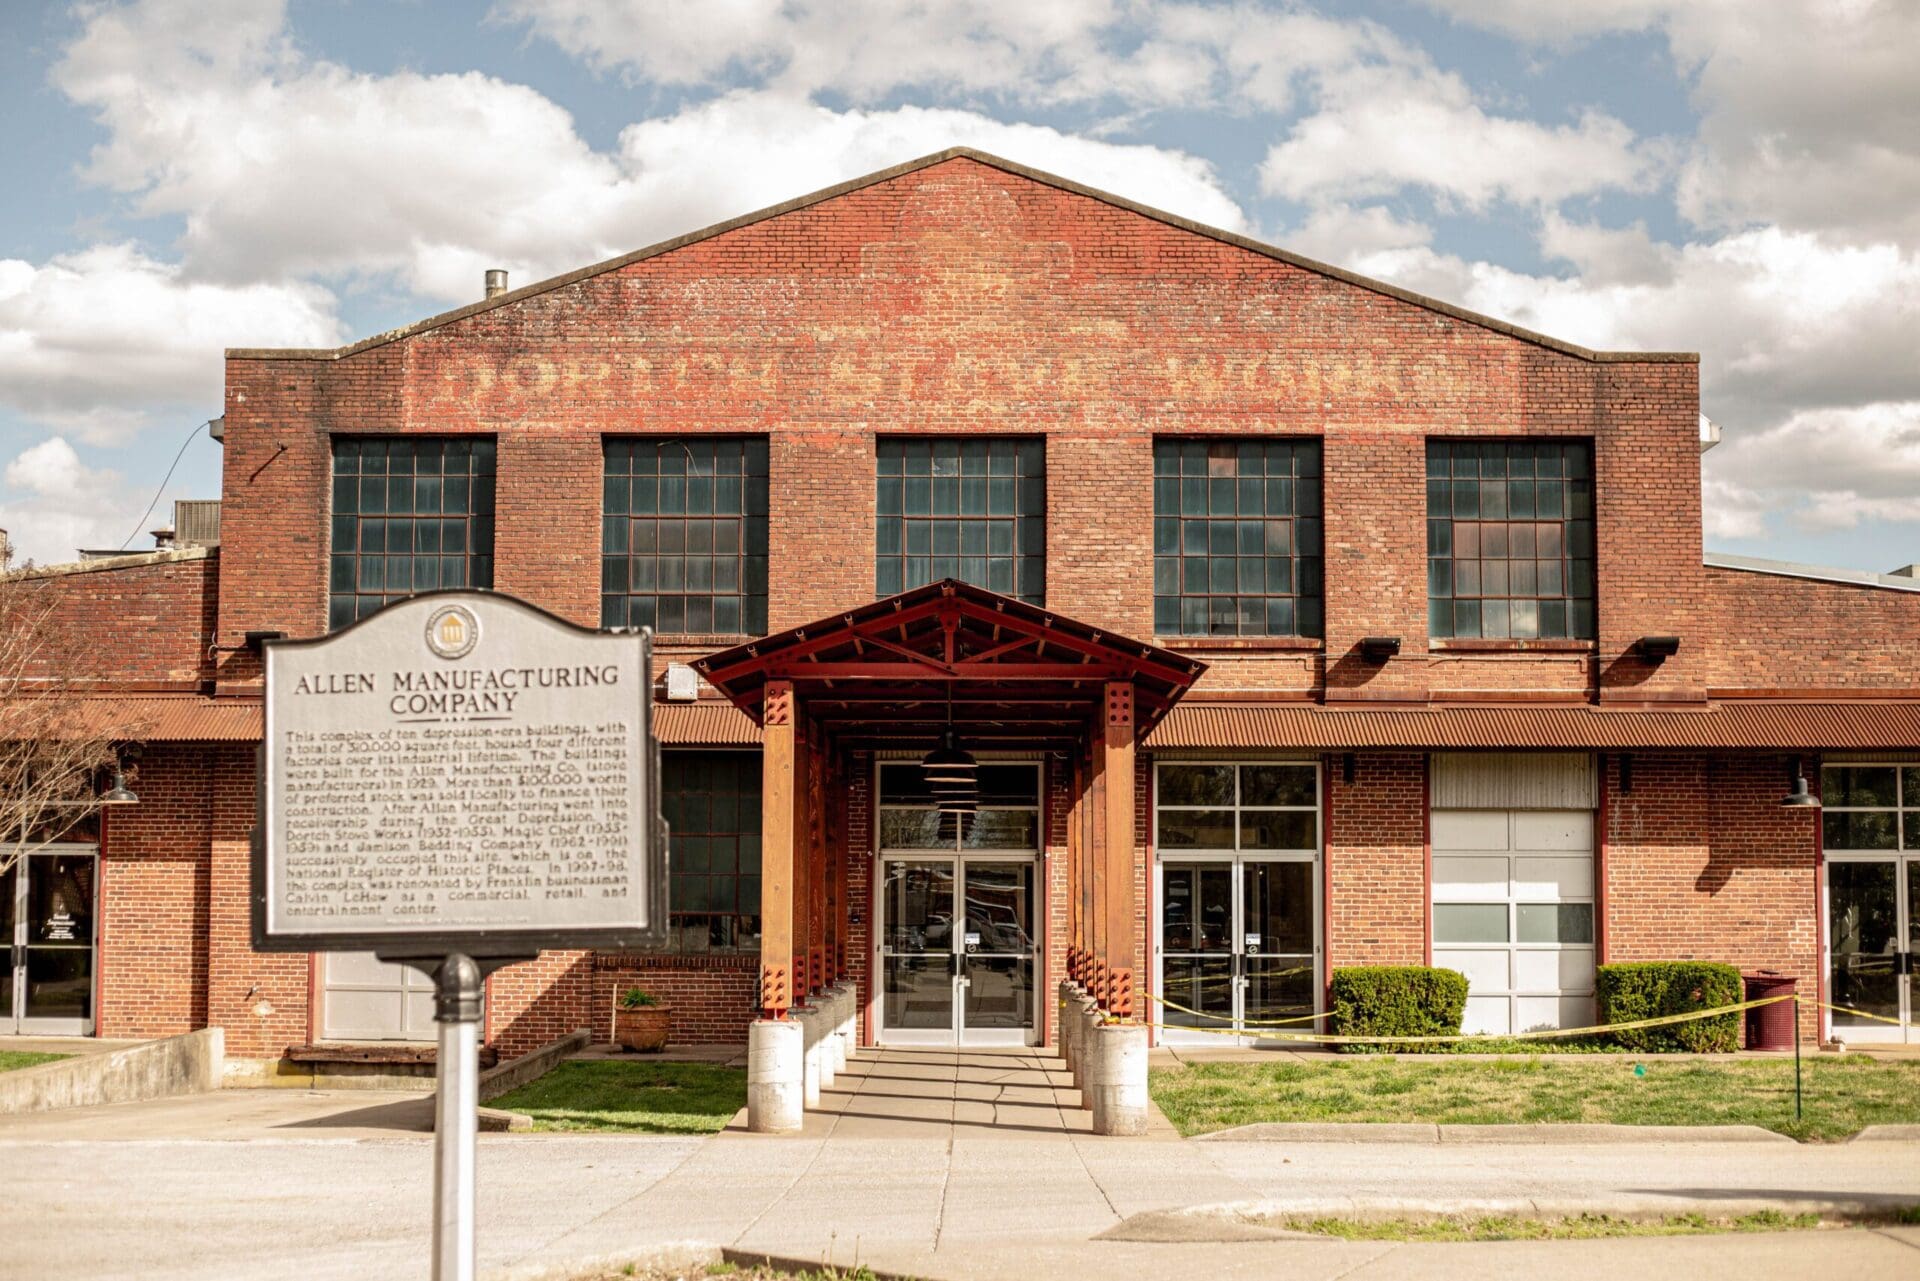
1902,581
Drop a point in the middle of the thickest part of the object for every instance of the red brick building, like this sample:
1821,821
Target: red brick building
1393,635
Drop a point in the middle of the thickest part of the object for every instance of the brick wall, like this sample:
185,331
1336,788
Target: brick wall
1376,861
1703,863
714,998
963,298
1790,635
541,1000
145,619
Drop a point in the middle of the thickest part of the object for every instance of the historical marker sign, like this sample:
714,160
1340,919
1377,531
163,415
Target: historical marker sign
461,772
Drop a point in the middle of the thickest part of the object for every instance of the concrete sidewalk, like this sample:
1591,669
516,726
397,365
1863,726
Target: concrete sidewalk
927,1163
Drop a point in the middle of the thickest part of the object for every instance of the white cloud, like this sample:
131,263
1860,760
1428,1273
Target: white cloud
286,167
1810,109
91,342
1380,130
747,150
1783,321
60,504
1831,468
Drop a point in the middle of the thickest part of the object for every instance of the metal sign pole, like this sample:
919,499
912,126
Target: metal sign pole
457,1000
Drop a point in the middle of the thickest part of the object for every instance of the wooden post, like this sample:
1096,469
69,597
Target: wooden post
1117,763
1075,918
802,856
1097,888
816,860
777,799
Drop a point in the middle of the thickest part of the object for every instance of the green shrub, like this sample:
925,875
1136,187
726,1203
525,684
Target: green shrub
1397,1000
1653,989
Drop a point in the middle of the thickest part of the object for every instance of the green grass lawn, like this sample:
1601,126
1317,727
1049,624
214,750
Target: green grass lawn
1841,1095
11,1059
644,1098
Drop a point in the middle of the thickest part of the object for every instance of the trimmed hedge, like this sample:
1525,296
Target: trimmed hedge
1397,1000
1651,989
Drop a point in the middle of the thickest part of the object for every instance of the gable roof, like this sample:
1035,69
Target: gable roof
995,162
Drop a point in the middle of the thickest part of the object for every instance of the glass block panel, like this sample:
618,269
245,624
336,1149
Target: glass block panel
1470,923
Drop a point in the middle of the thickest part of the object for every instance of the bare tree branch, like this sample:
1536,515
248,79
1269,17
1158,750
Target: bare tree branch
57,746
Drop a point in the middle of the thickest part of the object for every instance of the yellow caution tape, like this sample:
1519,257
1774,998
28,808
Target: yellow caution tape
1848,1009
1318,1038
1175,1005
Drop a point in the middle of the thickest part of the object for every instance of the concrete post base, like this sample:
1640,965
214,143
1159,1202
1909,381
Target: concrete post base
775,1053
838,1004
809,1019
1117,1063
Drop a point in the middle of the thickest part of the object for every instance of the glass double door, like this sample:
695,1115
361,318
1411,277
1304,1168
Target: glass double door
1873,935
1236,944
46,920
957,951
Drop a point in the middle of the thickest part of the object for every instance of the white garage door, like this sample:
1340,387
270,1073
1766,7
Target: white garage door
1513,894
368,999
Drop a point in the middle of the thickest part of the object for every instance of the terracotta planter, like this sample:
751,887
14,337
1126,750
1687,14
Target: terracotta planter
643,1030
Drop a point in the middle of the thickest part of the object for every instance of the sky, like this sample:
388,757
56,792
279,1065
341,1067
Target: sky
1739,178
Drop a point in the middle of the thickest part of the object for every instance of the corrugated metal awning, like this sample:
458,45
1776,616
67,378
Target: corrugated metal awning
703,725
172,718
1866,724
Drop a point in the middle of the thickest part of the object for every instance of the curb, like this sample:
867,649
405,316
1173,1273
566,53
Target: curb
1888,1134
1259,1220
1561,1132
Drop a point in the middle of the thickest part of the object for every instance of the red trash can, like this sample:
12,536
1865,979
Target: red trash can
1770,1027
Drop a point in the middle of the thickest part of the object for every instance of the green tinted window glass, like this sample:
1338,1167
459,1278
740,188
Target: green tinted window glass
684,534
712,804
1244,516
972,509
395,496
1510,545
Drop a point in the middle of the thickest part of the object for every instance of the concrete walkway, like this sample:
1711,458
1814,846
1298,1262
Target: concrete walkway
935,1164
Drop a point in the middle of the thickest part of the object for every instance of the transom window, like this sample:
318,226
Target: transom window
683,540
972,509
1008,817
1870,807
1255,805
1236,538
1510,539
410,514
712,802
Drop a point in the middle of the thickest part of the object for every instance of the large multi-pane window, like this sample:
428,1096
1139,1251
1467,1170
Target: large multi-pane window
712,802
1236,538
1510,539
410,514
683,539
973,509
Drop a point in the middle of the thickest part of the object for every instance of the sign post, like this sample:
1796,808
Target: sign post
456,783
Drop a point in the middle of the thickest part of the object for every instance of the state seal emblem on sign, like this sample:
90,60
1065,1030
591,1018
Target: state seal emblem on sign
452,632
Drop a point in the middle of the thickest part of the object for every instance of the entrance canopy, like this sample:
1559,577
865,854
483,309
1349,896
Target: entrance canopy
1018,676
888,676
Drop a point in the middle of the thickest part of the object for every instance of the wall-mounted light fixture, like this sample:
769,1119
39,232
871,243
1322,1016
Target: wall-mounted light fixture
1798,797
1346,769
1378,649
120,793
1657,649
1626,773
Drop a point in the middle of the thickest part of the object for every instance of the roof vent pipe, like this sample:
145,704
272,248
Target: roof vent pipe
496,282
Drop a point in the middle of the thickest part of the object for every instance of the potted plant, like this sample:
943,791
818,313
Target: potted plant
641,1021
